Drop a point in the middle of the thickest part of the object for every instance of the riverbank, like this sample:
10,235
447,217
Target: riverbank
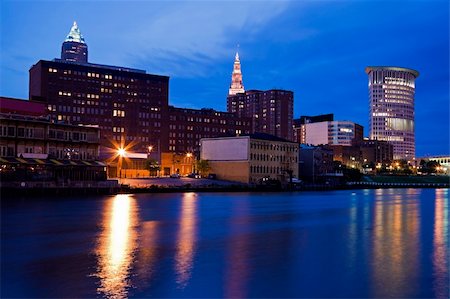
175,185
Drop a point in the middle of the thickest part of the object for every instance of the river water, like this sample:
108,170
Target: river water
358,243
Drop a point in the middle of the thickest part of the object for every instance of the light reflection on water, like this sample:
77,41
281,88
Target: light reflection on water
116,246
441,245
186,239
395,243
237,271
382,244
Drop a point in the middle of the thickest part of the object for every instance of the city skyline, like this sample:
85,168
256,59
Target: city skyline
296,46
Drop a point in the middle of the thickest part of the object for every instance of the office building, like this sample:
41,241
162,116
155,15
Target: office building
299,129
377,151
236,78
249,159
74,48
271,111
188,126
316,164
323,130
128,105
391,108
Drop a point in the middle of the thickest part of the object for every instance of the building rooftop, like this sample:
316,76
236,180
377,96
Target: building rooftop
392,68
103,66
75,35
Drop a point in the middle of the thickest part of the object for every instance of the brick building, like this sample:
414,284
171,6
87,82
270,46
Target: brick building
188,126
129,105
271,111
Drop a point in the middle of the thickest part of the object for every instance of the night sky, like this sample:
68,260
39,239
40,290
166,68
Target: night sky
318,49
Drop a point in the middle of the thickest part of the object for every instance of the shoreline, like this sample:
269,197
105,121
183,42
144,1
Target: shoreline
8,192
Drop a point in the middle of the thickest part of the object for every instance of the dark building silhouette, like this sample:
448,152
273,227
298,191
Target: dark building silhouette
377,151
129,105
271,111
74,48
188,126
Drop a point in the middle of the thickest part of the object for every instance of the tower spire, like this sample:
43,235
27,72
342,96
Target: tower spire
75,34
236,77
74,48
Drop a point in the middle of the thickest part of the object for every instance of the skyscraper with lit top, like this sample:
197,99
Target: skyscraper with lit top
74,48
236,78
391,108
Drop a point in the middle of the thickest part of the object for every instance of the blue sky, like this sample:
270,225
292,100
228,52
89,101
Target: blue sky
318,49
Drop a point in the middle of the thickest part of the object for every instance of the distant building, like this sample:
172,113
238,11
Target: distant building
74,48
33,148
322,129
22,107
299,129
188,126
391,107
271,111
443,160
316,163
249,159
376,151
236,78
349,156
179,163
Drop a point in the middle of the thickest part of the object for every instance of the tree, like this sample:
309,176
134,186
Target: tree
203,166
152,166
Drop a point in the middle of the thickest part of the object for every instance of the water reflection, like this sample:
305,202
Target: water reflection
440,246
395,243
237,271
186,238
148,252
116,246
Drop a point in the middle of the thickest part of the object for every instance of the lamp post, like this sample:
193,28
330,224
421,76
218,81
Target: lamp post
121,153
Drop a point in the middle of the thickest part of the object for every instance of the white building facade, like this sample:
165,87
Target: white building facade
344,133
248,159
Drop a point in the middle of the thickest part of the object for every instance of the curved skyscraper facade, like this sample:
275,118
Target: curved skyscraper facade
391,108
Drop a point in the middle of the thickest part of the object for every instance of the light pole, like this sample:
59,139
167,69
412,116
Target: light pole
121,153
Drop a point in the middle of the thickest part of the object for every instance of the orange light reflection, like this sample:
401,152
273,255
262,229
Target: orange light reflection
185,249
440,246
116,246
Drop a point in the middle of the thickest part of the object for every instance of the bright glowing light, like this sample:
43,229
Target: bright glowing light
189,155
186,239
116,246
121,151
150,148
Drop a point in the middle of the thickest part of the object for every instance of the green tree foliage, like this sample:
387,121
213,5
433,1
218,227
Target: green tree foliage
203,166
152,166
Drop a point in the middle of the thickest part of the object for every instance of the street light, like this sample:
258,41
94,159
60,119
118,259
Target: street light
121,152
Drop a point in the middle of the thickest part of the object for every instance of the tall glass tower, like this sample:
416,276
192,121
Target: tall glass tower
391,108
74,48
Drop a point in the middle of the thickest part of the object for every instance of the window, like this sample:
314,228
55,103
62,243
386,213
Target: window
12,131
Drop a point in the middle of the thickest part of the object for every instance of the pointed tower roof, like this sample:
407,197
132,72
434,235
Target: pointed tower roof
236,85
75,35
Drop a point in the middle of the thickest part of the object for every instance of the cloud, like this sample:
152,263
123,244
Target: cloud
187,39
